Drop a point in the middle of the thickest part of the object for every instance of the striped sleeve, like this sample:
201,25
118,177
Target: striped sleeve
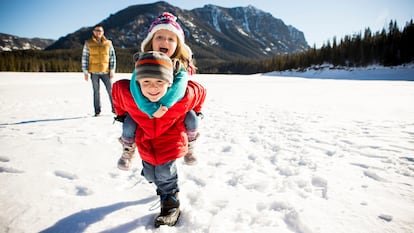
85,59
112,60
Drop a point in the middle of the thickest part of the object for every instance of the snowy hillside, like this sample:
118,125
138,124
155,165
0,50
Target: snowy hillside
275,155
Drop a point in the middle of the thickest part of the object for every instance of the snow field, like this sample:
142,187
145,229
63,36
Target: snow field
275,154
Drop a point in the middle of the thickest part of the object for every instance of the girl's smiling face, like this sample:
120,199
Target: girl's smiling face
154,89
165,41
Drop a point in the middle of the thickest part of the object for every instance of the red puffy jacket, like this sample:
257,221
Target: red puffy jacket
159,140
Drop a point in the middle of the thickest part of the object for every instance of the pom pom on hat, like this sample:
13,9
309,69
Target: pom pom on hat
166,21
154,65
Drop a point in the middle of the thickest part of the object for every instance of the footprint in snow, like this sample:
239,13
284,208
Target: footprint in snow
4,159
321,184
83,191
409,159
66,175
226,149
9,170
385,217
360,165
374,176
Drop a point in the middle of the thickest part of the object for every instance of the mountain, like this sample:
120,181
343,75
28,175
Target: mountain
11,42
212,32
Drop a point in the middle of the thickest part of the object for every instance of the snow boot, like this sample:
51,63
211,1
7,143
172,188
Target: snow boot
170,210
190,158
125,162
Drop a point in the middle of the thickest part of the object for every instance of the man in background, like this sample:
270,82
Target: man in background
99,60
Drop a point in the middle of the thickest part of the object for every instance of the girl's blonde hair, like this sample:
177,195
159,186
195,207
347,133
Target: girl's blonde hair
182,56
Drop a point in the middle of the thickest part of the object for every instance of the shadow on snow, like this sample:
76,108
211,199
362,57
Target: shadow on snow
44,120
79,222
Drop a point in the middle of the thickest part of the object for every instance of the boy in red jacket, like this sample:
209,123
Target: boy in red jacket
160,141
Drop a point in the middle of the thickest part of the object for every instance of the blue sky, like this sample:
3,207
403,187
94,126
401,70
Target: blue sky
320,20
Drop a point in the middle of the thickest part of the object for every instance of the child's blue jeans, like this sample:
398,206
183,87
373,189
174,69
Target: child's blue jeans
164,176
129,126
128,129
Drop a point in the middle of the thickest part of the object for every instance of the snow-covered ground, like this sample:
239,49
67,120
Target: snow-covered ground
276,155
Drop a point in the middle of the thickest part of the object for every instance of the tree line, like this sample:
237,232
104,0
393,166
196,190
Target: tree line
61,60
390,46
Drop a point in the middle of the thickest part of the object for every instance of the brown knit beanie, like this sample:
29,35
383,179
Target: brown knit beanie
154,65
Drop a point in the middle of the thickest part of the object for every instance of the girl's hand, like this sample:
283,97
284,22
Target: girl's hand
160,112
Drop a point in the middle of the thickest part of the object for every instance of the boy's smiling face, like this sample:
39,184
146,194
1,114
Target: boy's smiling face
165,41
154,89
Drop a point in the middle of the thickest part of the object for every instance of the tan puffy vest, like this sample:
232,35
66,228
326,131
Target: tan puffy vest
99,55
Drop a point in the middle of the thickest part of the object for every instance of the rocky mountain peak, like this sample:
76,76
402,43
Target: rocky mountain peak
213,32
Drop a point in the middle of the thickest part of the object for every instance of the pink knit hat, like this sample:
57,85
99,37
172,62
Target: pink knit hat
166,21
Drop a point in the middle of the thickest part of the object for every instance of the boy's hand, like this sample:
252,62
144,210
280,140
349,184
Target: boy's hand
160,112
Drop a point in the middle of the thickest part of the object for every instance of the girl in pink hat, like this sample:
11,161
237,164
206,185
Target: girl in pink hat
164,35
